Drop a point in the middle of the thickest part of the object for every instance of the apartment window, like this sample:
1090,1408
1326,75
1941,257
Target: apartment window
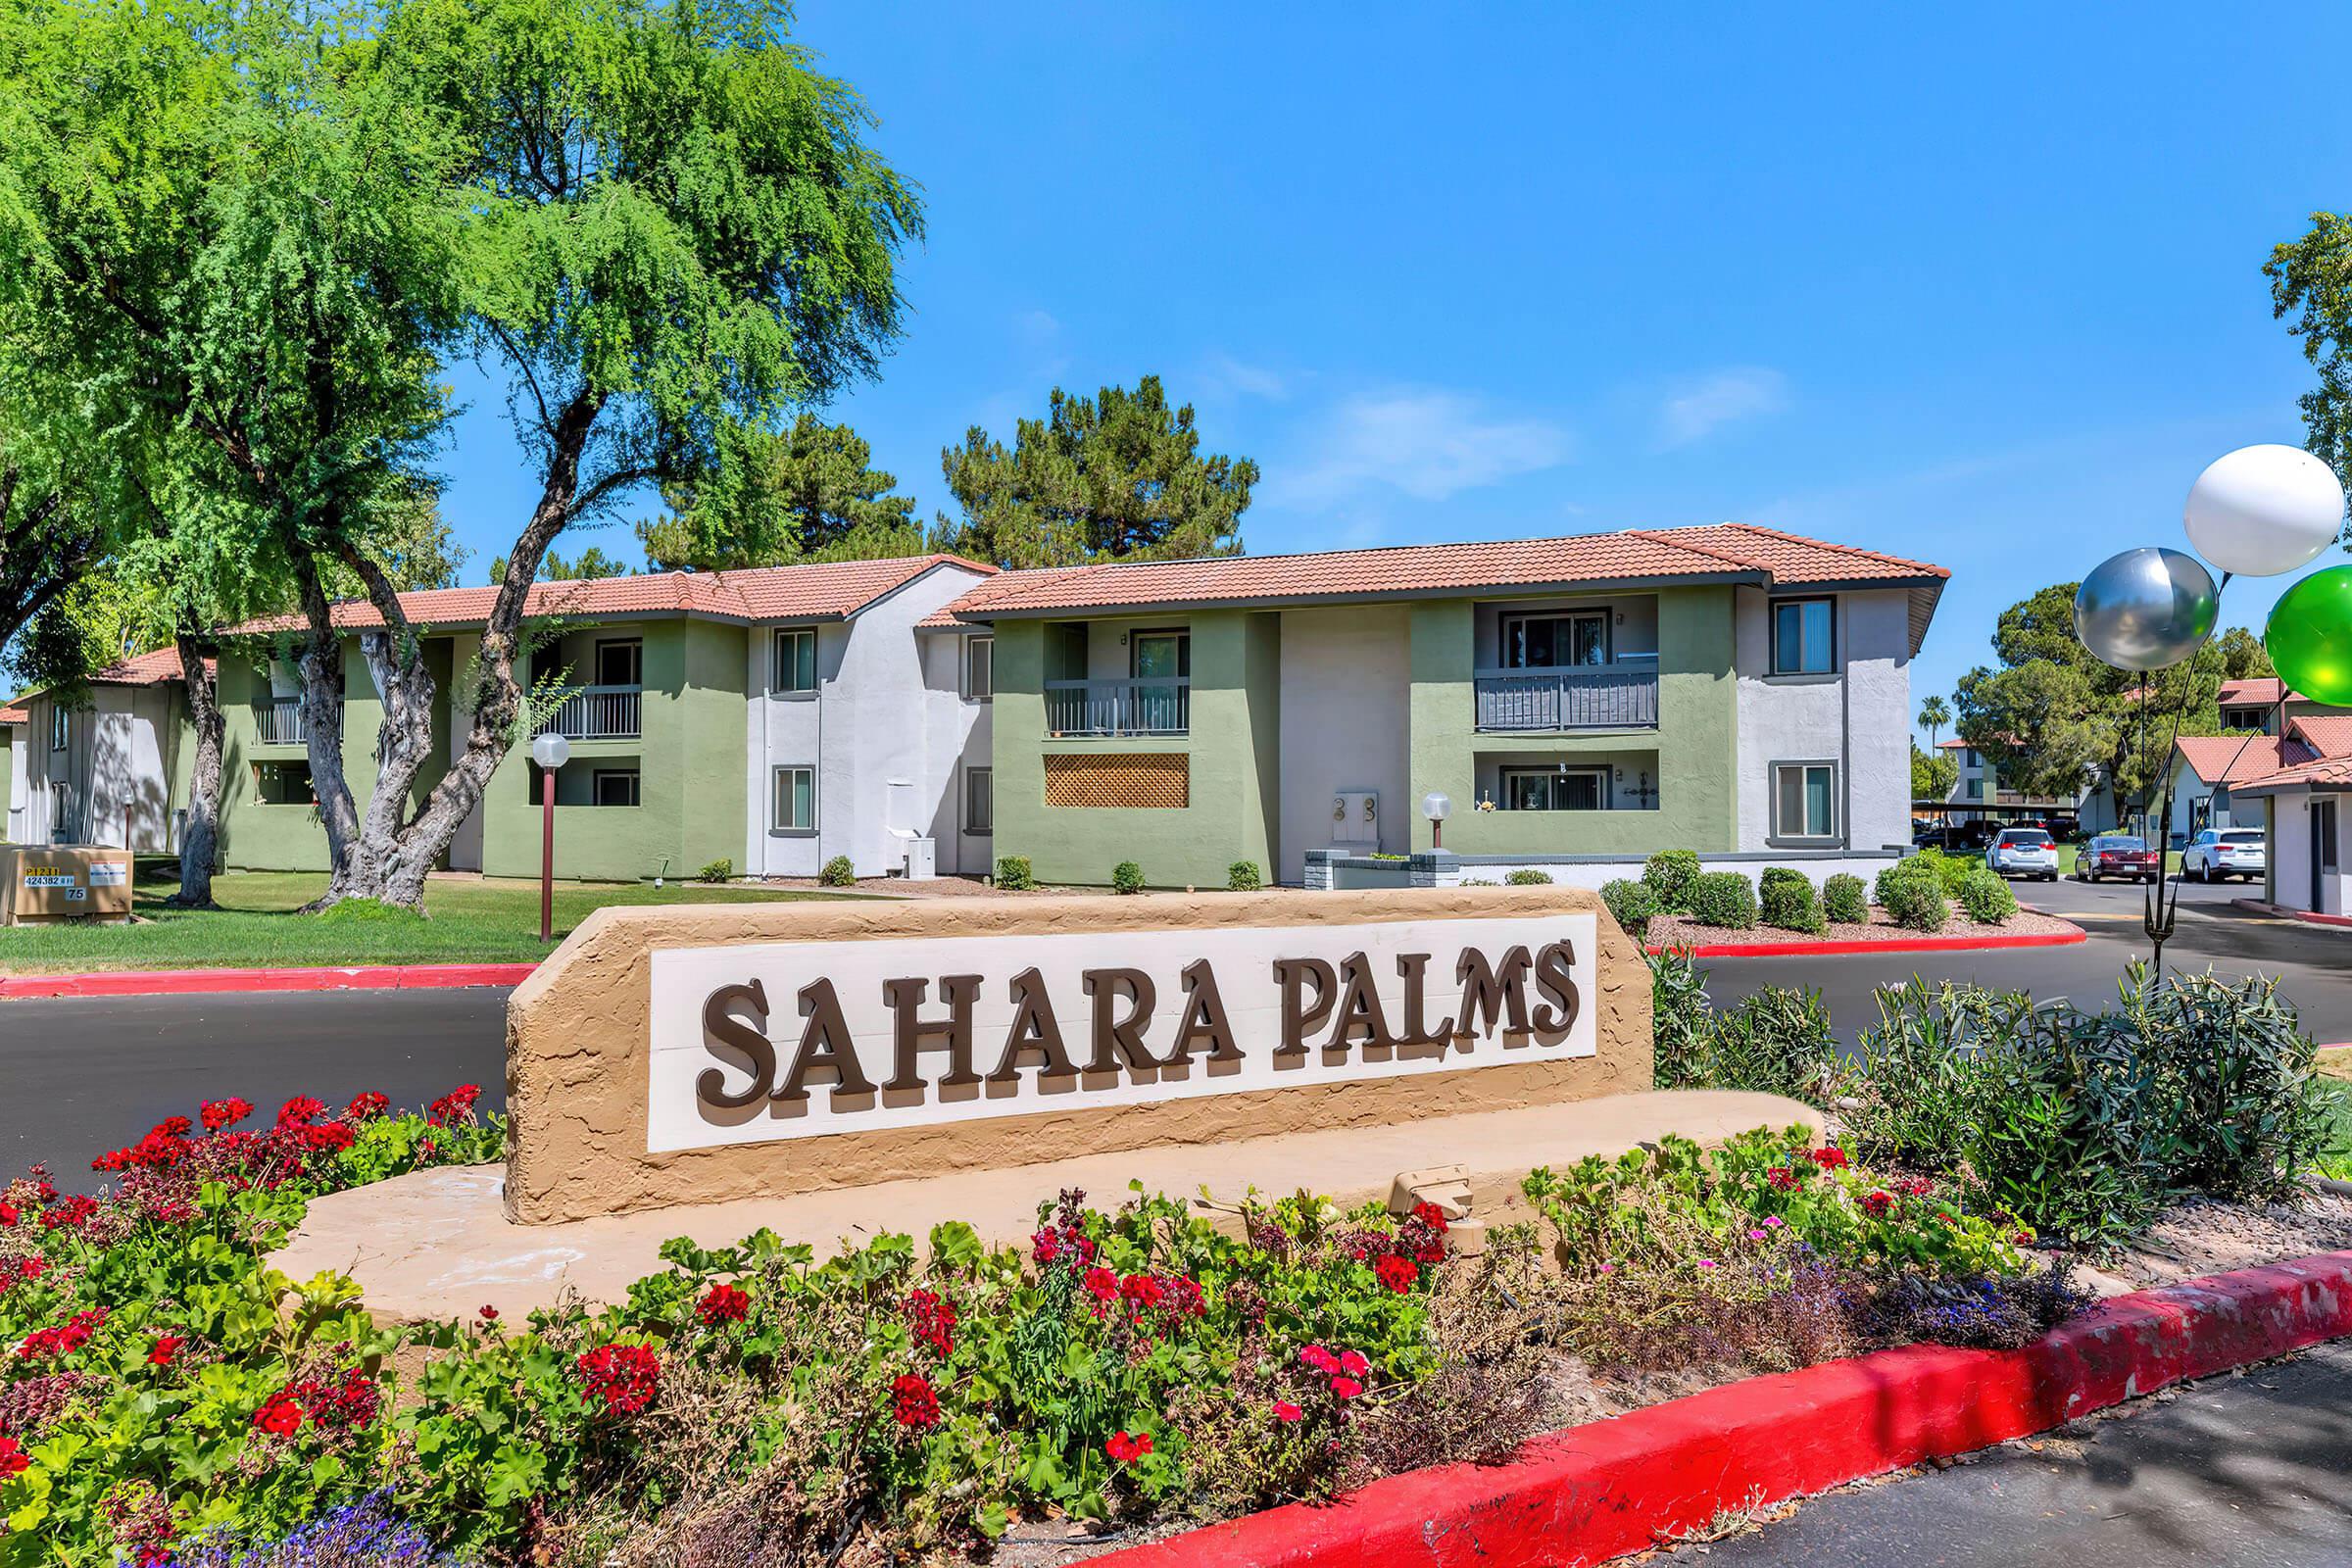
1554,641
979,668
1553,789
795,660
621,663
795,809
283,784
1804,636
1970,758
979,800
1804,800
613,786
60,727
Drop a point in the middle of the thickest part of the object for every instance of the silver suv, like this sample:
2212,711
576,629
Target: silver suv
2023,852
2225,852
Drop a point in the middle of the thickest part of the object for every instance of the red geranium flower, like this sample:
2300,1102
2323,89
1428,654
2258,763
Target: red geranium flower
220,1113
456,1106
69,1214
1432,1215
166,1350
931,1319
1781,1178
8,1212
301,1110
723,1304
625,1378
1352,1363
1320,1359
367,1105
913,1402
1830,1157
1101,1283
489,1315
1345,1388
281,1417
1878,1204
1125,1448
1285,1411
62,1340
13,1458
1396,1273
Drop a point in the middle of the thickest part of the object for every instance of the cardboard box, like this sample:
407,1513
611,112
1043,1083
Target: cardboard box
41,883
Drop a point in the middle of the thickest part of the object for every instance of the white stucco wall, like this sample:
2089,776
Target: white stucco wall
888,746
1346,701
1858,717
2289,854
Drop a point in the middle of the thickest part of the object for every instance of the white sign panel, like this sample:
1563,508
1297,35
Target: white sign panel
804,1039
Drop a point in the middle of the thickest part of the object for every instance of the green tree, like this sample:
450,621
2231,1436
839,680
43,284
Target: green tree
2243,658
1934,714
2311,279
2050,718
1118,477
591,563
809,493
1932,774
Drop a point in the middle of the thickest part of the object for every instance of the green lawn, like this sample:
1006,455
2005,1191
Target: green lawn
2337,1162
467,921
2068,851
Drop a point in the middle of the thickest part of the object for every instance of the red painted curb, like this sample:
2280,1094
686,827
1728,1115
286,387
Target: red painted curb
1599,1491
1800,949
2281,911
195,982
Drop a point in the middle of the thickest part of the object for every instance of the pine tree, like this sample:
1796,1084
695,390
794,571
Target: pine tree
809,493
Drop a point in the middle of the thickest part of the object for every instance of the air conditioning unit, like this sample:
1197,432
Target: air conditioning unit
918,856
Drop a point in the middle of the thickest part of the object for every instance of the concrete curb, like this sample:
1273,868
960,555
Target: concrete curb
1800,948
1612,1487
193,982
2283,912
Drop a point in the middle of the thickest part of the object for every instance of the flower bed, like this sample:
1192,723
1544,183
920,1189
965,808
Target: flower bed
165,1396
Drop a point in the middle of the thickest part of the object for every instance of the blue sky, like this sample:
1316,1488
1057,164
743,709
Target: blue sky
1980,285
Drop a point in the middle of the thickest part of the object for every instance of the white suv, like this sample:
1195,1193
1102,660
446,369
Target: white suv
2023,852
2223,852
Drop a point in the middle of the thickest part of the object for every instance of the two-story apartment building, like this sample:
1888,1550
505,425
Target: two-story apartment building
773,718
1723,689
110,769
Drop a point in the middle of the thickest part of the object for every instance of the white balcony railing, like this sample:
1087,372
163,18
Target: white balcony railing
600,714
1140,706
1619,696
279,723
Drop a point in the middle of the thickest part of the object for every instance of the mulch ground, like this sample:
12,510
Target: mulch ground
1675,931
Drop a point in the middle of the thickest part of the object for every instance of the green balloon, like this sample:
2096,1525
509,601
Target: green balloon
2310,637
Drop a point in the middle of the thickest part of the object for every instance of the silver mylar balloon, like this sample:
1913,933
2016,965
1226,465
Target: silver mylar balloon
2147,608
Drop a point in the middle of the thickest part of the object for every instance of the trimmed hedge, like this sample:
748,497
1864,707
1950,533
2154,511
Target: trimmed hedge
1126,877
1987,896
1786,900
1244,876
838,874
1670,874
1845,899
1632,903
1724,898
1527,876
1913,900
1013,871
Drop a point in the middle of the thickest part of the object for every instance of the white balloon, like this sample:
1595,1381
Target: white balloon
2264,510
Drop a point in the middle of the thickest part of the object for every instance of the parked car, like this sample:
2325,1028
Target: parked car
2117,854
2225,852
2023,852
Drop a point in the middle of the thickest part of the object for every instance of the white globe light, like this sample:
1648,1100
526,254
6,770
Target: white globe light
550,750
2264,510
1436,805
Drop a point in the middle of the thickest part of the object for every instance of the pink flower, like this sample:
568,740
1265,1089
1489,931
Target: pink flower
1352,1363
1773,1222
1320,1359
1285,1411
1706,1262
1757,1235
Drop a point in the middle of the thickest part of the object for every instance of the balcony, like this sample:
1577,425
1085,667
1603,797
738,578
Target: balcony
1619,696
1139,705
279,723
599,714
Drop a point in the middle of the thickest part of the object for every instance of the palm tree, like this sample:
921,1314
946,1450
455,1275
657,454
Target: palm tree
1934,714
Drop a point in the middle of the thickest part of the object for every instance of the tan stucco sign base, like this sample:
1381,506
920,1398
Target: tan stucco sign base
630,1093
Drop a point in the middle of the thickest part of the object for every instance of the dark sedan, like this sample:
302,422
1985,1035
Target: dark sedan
2117,854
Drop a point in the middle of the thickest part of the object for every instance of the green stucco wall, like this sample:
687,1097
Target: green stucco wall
1231,752
1696,743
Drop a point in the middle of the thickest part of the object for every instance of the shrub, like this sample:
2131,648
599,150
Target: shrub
1527,876
717,871
838,874
1723,898
1786,900
1671,874
1014,872
1127,877
1682,1021
1845,898
1776,1041
1632,903
1987,897
1913,901
1244,876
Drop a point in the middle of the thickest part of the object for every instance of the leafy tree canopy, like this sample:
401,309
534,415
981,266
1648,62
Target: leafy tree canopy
553,567
2052,718
2311,280
1932,774
1118,477
809,493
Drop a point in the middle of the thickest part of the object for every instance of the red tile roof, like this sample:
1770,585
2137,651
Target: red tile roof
1734,552
151,668
823,591
14,716
2329,734
2325,774
2240,759
970,606
2256,691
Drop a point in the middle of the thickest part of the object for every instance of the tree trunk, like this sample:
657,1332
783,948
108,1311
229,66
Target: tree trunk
200,837
386,855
